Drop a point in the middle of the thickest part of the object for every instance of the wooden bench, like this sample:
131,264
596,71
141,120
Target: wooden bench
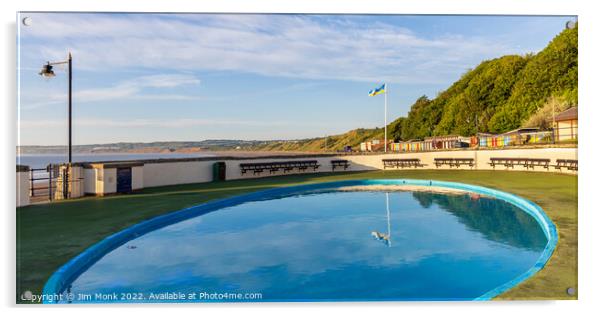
274,167
340,163
454,162
569,164
401,163
303,164
245,167
525,162
540,162
500,161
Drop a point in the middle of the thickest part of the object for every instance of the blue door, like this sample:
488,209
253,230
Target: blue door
124,180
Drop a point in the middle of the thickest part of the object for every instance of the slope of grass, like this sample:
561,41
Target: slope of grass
330,143
49,235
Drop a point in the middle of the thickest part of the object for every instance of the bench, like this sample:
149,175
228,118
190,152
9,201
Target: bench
506,162
525,162
256,168
569,164
340,163
541,162
401,163
274,167
454,162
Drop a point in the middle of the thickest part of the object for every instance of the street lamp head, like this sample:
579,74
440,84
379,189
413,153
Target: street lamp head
47,71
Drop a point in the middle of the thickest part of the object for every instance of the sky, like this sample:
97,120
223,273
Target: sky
190,77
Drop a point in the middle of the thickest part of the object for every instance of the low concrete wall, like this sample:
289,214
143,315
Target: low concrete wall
170,173
77,181
163,173
90,182
137,178
109,185
481,157
100,181
22,188
156,174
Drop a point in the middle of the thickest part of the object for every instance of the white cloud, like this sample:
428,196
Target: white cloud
274,45
162,81
131,88
128,89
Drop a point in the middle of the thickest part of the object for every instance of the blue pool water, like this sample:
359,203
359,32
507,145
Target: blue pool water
320,246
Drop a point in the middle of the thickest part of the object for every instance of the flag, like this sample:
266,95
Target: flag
377,91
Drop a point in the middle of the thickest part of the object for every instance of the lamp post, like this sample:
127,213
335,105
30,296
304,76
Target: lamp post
49,73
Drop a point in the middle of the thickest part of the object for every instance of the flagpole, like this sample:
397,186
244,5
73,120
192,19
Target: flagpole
386,93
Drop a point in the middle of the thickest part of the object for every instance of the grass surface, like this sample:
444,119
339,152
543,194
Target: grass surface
51,234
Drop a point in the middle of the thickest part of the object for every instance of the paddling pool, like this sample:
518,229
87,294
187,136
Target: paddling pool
320,242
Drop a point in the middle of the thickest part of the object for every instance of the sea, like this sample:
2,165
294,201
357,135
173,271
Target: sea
36,161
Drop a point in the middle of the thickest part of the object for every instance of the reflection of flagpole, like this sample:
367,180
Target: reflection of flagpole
386,238
386,92
388,221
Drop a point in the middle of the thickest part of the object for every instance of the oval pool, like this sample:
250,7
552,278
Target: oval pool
330,241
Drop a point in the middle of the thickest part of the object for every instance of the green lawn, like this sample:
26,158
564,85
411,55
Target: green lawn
51,234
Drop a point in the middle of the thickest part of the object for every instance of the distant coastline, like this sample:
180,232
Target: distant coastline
183,147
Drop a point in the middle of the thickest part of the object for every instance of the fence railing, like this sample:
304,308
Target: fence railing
41,184
50,183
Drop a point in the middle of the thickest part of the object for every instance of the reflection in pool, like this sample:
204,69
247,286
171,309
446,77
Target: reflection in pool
322,246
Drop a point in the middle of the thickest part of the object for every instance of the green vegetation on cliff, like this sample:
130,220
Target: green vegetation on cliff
497,96
329,143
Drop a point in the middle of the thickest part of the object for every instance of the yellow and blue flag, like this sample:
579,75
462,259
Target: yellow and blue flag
377,91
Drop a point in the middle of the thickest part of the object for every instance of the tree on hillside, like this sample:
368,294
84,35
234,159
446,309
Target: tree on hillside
395,129
543,117
498,95
553,71
419,120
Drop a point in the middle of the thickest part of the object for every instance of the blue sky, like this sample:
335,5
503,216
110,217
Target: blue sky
143,77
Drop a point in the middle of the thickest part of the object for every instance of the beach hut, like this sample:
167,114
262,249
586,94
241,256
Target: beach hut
565,125
447,142
365,146
474,141
518,136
